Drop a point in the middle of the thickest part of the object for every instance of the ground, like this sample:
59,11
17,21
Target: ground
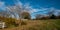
38,25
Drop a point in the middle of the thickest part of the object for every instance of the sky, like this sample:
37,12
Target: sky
34,6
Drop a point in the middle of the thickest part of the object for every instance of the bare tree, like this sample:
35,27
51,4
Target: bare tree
14,10
17,9
4,14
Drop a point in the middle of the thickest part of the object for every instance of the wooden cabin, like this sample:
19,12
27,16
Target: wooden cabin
2,24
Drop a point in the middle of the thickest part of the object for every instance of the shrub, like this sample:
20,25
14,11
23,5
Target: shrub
53,16
23,23
25,15
9,21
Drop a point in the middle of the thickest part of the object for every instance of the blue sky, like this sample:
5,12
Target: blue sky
35,6
36,3
43,3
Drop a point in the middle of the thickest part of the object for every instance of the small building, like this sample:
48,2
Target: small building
2,24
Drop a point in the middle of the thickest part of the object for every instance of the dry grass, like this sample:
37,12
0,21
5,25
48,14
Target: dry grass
36,25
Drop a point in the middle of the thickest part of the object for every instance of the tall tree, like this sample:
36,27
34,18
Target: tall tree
25,15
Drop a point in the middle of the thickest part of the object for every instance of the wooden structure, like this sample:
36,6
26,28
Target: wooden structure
2,24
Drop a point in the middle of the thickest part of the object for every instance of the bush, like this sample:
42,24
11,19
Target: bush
53,16
25,15
23,23
9,21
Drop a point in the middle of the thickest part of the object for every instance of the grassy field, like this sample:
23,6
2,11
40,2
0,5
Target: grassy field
38,25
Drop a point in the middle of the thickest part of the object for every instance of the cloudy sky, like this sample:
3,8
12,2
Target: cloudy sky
34,6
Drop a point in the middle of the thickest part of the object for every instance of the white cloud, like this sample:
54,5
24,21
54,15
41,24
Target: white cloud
18,3
1,4
44,10
37,10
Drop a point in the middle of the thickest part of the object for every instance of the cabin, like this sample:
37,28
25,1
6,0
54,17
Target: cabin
2,24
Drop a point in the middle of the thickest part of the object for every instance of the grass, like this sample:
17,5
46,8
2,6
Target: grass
38,25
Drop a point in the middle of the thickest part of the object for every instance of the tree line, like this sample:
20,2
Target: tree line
27,15
50,15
